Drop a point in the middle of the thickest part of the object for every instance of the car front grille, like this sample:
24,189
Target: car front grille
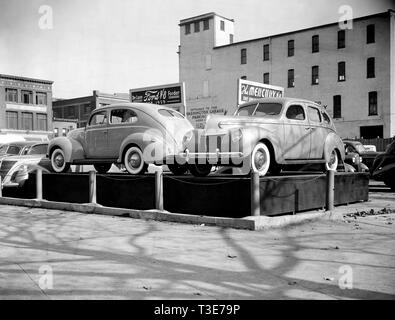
5,166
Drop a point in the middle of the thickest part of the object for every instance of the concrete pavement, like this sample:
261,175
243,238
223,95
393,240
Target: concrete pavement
103,257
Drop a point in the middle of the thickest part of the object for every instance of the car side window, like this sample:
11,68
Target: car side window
295,112
350,148
314,114
123,116
38,149
326,118
98,118
13,150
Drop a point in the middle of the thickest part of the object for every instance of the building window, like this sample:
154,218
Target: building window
11,95
337,106
27,97
196,26
265,52
231,38
341,39
187,28
341,71
27,121
206,24
12,119
370,68
41,98
222,25
57,113
266,78
42,122
370,34
315,44
243,77
314,75
291,48
373,103
205,89
243,56
291,78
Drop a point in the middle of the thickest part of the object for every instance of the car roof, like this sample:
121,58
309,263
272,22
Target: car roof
282,100
149,108
22,143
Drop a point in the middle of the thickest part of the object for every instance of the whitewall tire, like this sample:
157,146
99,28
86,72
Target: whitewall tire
58,161
134,161
333,161
260,159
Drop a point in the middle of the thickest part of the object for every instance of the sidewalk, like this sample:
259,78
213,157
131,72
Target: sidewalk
103,257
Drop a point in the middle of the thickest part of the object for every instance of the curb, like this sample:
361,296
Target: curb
249,223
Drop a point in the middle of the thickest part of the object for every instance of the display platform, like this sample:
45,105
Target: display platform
215,195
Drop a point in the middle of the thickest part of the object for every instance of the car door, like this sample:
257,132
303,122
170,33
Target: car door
318,132
296,133
96,135
122,122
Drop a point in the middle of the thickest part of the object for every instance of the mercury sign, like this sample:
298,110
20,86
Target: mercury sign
250,90
171,95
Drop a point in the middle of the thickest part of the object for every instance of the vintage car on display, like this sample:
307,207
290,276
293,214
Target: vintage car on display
264,135
383,168
15,169
132,134
13,148
367,157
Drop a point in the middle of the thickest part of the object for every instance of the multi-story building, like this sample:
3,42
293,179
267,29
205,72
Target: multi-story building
81,107
349,68
25,107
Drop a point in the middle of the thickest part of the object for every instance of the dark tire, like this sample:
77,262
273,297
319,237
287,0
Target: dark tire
58,162
200,170
102,167
133,161
178,169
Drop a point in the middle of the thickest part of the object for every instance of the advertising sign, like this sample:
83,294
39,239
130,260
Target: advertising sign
250,90
170,95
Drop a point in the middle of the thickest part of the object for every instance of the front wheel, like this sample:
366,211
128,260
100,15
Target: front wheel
102,167
333,161
260,159
58,161
200,170
134,162
178,169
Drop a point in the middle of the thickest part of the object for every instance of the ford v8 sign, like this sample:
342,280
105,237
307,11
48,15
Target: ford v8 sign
250,90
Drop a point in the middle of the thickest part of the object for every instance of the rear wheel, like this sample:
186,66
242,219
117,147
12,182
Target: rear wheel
58,161
200,170
102,167
133,161
260,159
178,169
333,161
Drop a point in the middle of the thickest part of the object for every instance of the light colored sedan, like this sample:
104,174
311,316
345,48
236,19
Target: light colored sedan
264,135
132,134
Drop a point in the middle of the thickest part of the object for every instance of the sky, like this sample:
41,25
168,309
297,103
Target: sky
115,45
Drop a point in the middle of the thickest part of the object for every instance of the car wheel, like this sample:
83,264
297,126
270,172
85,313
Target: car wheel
58,161
102,167
200,170
178,169
134,162
260,159
333,161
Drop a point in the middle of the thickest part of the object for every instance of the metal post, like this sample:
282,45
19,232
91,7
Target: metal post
1,188
255,194
39,184
159,190
330,189
92,187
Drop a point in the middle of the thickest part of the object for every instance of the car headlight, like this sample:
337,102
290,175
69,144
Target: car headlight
237,135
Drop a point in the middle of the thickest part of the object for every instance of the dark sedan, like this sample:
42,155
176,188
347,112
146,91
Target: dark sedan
367,157
383,168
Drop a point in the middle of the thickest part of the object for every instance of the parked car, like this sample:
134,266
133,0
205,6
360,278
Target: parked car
383,168
264,135
354,160
15,169
370,147
132,134
367,157
14,148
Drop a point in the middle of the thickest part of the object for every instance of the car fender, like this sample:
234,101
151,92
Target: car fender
72,148
148,141
253,135
333,141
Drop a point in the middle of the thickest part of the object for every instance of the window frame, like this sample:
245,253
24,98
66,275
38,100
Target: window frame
341,67
341,39
206,24
266,52
30,94
291,49
98,124
8,113
188,28
370,34
266,74
296,105
7,91
243,56
315,75
291,84
315,43
337,106
371,105
371,68
24,113
196,26
42,120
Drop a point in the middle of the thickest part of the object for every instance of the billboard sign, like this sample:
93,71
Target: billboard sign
250,90
170,95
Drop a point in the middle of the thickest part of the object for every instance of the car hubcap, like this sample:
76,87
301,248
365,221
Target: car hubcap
59,160
332,160
260,159
134,160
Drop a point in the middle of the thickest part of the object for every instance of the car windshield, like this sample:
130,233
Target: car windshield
246,110
37,149
3,149
262,110
360,147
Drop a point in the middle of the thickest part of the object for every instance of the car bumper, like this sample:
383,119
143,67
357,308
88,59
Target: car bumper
211,157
